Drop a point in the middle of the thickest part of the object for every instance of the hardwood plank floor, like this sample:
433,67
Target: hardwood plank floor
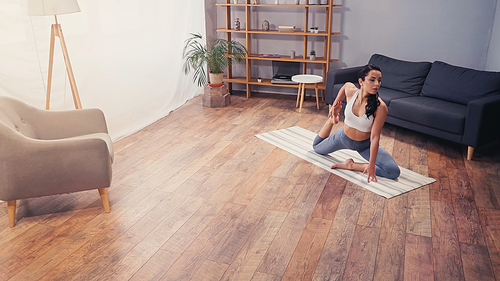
196,196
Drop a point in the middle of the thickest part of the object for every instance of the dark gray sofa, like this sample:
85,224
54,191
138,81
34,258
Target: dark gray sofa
450,102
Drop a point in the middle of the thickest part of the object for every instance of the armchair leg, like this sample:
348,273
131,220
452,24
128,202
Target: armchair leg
470,151
11,210
103,192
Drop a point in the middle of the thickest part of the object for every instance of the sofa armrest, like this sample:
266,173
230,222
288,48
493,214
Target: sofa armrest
339,76
481,123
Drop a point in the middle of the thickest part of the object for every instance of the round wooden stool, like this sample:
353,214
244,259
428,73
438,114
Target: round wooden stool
304,79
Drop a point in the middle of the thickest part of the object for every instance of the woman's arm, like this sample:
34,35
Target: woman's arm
346,90
378,123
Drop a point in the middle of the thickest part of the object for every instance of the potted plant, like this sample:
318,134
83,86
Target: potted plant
216,54
313,55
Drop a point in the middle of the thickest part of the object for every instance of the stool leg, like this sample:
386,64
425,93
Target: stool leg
302,96
317,100
298,95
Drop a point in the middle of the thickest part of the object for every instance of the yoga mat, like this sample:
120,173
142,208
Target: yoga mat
298,141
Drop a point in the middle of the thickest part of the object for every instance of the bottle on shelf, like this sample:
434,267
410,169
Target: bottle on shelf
237,24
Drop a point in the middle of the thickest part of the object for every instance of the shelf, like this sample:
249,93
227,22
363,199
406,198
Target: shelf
267,82
303,35
274,5
287,58
274,32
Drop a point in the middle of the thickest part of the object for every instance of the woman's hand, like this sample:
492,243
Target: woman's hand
335,112
370,170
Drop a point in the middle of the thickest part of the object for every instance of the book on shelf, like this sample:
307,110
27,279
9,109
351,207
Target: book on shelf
269,56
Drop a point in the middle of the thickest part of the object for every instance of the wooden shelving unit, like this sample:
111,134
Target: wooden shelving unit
327,33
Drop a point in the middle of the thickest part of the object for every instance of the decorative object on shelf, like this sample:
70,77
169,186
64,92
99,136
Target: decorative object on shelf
276,2
198,54
235,1
54,8
292,54
237,24
259,79
269,56
255,2
314,2
297,2
314,29
265,25
312,55
286,28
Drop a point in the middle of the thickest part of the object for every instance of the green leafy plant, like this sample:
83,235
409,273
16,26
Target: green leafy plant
313,53
217,54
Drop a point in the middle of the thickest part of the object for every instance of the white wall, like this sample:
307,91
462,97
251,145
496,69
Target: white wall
493,59
126,57
454,31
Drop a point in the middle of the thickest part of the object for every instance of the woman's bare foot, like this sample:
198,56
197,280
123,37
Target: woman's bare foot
347,164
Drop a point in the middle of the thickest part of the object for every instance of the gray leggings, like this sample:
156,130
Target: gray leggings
385,165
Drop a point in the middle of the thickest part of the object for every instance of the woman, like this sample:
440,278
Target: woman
365,115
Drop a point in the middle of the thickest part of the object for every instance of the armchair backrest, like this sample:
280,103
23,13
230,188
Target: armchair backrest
18,116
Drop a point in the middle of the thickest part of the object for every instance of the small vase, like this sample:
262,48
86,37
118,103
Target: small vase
297,2
235,1
276,2
265,25
313,57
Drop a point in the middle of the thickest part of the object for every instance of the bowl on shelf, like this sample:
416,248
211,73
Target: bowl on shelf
286,28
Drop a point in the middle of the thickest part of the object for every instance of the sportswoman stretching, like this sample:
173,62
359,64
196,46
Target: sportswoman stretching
365,115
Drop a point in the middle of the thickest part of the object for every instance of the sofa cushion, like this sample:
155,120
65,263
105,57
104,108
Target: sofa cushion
434,113
459,84
401,75
387,95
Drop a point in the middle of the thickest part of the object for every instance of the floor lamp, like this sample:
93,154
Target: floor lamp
54,8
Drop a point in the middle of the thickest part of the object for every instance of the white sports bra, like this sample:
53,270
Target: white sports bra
361,123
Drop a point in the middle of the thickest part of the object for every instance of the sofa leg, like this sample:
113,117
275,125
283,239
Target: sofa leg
103,192
470,151
11,210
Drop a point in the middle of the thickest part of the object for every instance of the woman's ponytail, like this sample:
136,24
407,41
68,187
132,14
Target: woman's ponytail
373,101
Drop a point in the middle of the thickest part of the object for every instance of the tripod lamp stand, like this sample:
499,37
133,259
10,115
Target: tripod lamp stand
54,8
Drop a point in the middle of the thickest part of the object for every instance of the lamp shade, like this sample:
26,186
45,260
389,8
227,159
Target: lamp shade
52,7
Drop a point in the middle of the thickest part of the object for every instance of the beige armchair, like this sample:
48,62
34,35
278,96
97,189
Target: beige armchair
52,152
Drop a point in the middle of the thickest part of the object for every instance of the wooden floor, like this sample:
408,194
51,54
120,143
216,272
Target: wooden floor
195,196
